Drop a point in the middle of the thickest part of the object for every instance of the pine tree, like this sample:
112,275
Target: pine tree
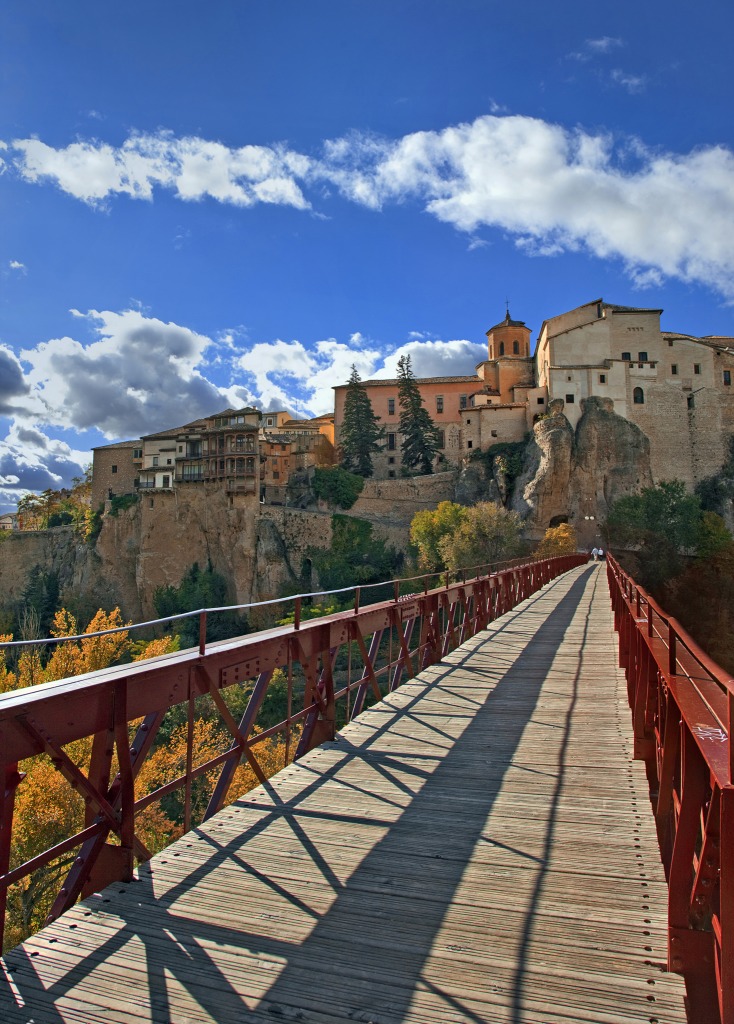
361,432
420,442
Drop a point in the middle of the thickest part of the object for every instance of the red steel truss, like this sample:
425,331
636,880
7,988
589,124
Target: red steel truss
682,706
383,644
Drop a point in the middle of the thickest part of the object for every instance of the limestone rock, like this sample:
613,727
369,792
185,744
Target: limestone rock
542,489
475,484
576,477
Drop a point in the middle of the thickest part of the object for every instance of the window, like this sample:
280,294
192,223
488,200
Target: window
727,378
269,421
137,453
638,396
391,442
470,444
168,462
642,357
180,448
468,422
494,433
541,401
439,403
472,402
516,348
670,342
462,401
502,348
151,502
602,378
442,439
391,406
391,473
391,460
696,367
166,481
626,356
276,475
155,460
114,469
674,369
569,377
691,401
570,399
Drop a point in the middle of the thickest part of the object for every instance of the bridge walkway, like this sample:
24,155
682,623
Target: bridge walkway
477,848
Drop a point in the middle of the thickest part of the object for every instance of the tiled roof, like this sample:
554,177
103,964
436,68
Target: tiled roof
117,444
508,322
393,382
629,309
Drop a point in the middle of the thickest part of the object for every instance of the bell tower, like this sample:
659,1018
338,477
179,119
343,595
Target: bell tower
509,338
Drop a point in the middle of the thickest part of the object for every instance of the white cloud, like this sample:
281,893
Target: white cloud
32,461
140,375
17,265
564,190
632,83
552,188
604,44
14,389
192,167
435,358
288,375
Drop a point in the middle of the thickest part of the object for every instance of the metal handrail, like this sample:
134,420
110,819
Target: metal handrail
42,642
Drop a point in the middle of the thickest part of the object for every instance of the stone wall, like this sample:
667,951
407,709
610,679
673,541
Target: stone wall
395,502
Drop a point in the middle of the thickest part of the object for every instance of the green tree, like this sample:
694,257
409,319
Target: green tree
663,525
487,533
717,491
430,527
420,437
199,588
355,556
337,486
361,432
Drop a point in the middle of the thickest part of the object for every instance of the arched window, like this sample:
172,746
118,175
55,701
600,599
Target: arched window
502,348
638,396
516,348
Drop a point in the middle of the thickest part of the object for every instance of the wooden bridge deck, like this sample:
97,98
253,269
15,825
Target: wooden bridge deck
477,848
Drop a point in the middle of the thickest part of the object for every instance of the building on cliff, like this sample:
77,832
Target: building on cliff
677,388
239,451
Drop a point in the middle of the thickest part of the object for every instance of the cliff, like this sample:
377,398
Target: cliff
258,549
571,475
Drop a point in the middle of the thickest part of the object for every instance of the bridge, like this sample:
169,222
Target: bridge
532,824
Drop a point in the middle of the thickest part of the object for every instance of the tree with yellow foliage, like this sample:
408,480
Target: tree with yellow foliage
8,679
558,540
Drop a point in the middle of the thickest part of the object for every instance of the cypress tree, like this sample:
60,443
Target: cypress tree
361,431
420,438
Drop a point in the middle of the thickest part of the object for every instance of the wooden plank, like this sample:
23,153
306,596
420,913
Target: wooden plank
478,847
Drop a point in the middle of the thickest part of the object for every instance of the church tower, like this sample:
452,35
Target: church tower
509,338
509,365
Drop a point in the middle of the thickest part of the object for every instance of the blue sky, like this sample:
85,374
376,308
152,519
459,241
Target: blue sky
228,202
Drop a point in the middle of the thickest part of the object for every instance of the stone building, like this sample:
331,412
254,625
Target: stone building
676,387
115,470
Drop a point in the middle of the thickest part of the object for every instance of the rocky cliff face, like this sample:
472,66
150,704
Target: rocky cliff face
572,476
565,475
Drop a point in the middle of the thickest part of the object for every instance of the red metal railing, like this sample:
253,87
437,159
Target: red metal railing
344,657
682,705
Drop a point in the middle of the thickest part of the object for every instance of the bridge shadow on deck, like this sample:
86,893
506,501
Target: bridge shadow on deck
362,958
